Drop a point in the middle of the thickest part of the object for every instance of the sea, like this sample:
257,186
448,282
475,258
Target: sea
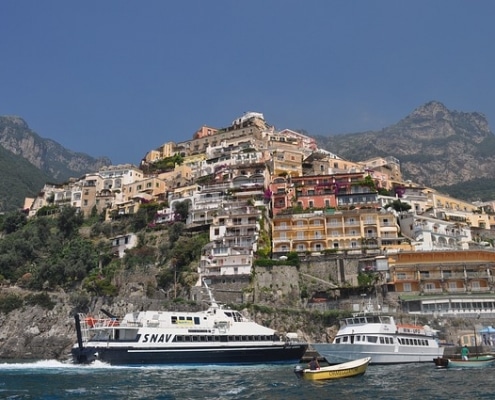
57,380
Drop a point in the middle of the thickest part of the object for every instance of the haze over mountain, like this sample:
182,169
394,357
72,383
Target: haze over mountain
449,150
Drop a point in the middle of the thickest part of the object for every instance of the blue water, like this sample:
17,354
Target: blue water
56,380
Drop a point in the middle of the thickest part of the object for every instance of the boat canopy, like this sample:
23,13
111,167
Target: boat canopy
368,319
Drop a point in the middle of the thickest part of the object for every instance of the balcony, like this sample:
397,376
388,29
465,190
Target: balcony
432,290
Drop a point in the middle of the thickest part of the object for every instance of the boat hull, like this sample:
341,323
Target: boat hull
200,355
472,362
340,371
380,354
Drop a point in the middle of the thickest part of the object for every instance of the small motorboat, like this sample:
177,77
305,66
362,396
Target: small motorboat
472,362
338,371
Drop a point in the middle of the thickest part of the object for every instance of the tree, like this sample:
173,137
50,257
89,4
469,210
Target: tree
68,221
399,206
13,221
182,208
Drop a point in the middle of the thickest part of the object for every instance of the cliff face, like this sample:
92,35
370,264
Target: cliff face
435,146
45,154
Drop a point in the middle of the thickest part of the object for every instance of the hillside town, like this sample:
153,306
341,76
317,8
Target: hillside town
261,191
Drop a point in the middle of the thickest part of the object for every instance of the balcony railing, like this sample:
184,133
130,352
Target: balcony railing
434,290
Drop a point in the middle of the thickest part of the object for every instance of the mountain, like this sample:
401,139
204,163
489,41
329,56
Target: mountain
28,161
19,179
449,150
46,154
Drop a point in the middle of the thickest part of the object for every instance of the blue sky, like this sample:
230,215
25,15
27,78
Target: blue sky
118,78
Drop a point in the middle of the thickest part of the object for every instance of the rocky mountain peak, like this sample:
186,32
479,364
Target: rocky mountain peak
435,146
431,110
17,121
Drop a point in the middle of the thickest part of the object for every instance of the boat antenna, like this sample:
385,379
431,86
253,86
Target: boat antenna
213,303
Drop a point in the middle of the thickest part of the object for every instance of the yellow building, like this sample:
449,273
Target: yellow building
349,230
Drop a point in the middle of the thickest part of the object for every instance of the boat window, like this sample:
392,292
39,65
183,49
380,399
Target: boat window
174,319
345,339
415,342
382,340
399,340
372,339
235,315
196,321
337,340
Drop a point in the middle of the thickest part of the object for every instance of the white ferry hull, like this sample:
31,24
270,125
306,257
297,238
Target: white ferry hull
386,354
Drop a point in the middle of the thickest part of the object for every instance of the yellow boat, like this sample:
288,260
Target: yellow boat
338,371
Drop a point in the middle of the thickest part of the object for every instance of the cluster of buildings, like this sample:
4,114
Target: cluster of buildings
249,182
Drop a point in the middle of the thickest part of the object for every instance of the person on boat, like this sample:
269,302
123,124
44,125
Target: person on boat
464,353
314,364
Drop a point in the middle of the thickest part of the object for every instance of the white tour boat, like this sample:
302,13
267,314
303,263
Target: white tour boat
215,336
381,338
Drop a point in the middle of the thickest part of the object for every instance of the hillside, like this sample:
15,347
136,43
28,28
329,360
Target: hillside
436,147
29,161
19,179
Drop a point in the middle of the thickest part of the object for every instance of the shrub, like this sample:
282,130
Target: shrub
41,299
10,303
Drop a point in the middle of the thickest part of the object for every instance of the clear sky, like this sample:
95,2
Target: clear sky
117,78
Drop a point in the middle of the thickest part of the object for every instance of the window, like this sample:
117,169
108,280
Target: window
430,287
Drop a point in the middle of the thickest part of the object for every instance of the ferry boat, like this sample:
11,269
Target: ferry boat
215,336
381,338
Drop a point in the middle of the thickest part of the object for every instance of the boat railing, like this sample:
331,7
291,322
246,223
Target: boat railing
88,322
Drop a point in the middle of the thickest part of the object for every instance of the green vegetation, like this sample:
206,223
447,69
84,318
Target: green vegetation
23,179
399,206
48,252
481,189
164,165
